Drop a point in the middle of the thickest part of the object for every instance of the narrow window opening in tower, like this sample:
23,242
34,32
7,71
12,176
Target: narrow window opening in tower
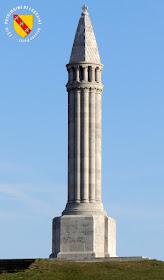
81,73
96,75
89,74
69,76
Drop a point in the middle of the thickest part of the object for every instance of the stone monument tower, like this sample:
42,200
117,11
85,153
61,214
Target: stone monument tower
84,230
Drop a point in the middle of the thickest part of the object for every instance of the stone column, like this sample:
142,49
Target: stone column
71,74
98,146
92,146
97,78
100,73
77,74
85,73
77,145
85,145
92,74
71,145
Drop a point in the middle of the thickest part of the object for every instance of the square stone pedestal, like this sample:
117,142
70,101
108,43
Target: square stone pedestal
83,237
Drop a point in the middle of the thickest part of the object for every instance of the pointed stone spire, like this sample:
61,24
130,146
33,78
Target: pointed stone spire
85,46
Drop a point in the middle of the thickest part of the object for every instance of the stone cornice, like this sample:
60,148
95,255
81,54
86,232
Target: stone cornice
83,85
82,63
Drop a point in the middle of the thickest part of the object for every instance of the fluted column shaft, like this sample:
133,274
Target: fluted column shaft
92,145
71,145
84,139
77,145
98,146
85,145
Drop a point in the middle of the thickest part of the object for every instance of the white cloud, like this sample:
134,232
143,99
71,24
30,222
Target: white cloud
35,204
10,215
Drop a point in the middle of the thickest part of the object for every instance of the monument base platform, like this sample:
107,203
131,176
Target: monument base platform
89,258
80,237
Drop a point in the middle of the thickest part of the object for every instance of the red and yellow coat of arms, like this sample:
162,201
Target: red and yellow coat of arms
23,24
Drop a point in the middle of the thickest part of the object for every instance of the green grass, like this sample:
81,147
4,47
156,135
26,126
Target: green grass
60,270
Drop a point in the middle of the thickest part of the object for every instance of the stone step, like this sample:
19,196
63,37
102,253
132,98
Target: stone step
15,265
106,259
120,259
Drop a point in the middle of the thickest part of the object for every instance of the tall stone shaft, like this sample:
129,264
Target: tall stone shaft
84,231
84,122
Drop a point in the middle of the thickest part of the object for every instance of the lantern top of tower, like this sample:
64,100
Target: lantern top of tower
85,47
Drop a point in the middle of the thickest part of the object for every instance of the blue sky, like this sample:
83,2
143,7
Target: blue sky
33,124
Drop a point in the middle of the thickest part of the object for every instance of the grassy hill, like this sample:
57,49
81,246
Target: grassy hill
60,270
